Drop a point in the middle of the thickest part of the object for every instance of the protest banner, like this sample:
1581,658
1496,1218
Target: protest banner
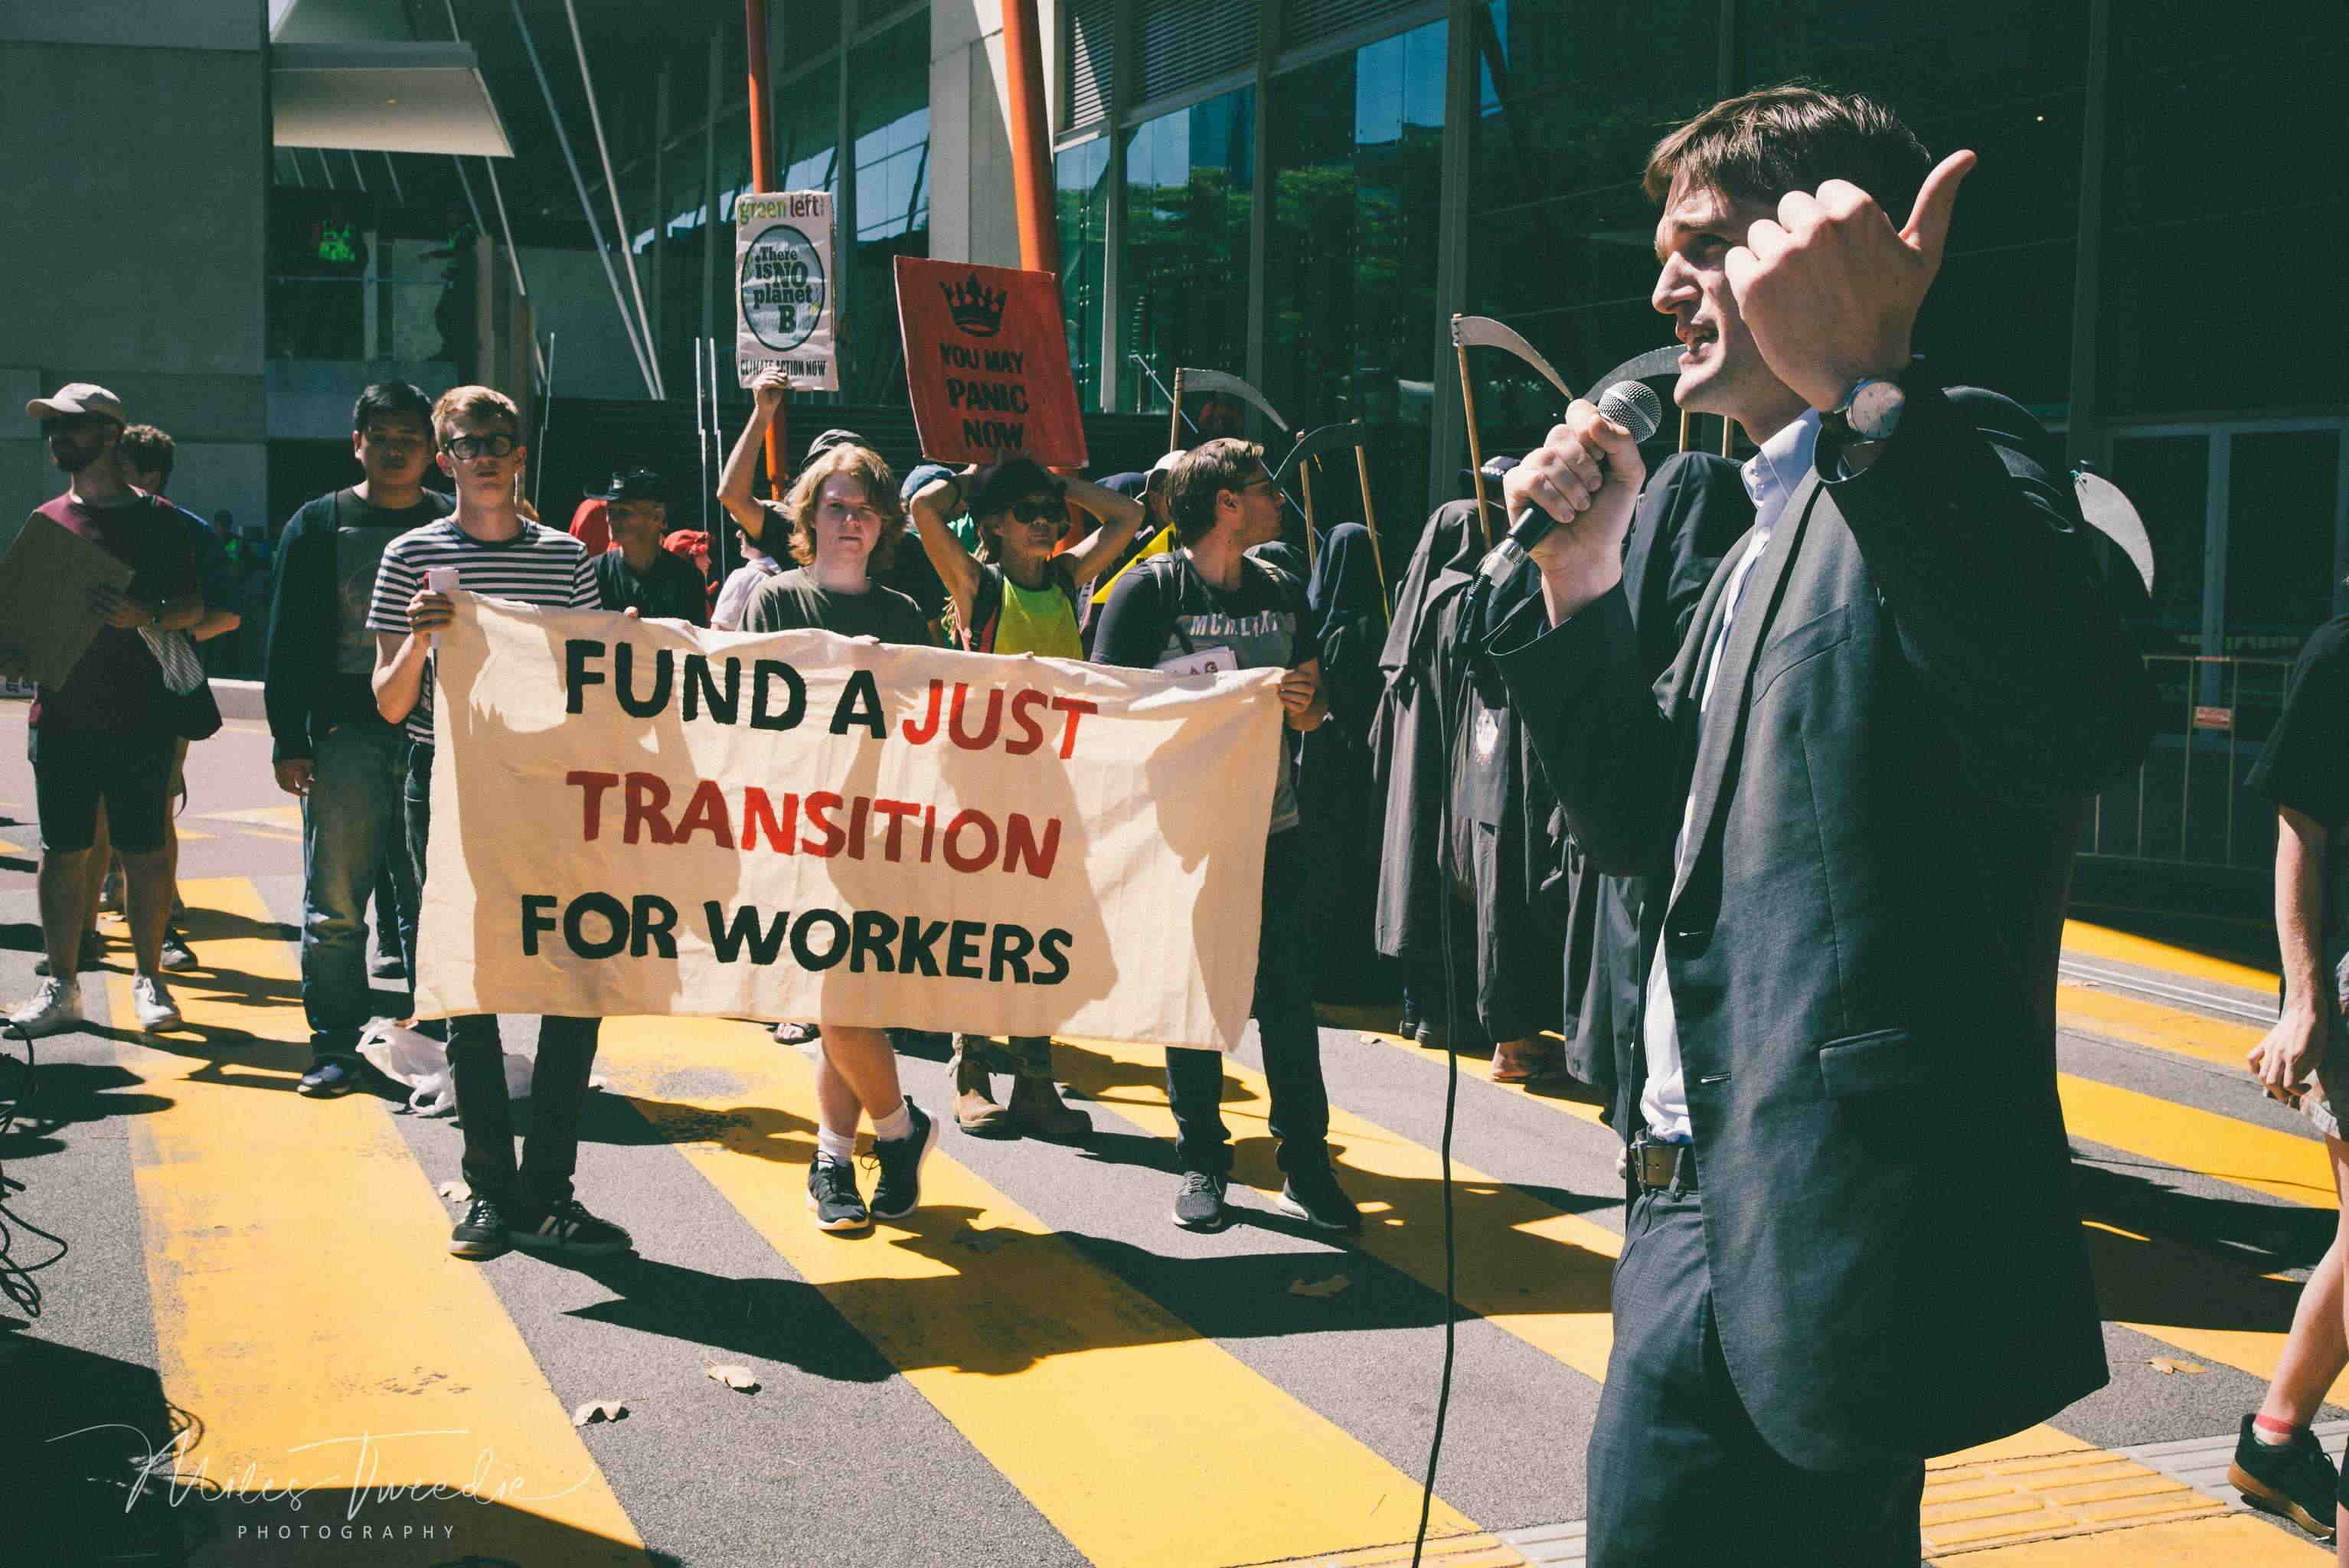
782,289
46,620
638,817
987,364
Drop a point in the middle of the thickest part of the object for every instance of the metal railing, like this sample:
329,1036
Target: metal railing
2223,708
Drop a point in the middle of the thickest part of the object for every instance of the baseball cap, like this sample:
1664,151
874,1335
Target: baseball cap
76,397
632,484
923,474
1161,469
830,440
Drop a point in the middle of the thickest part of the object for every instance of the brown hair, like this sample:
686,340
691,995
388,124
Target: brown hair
867,467
1225,463
1758,146
473,403
146,449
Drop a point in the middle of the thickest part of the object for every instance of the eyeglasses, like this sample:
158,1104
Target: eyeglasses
478,446
1036,511
1262,481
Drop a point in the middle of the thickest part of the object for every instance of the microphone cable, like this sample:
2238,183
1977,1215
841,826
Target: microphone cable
1448,718
16,1281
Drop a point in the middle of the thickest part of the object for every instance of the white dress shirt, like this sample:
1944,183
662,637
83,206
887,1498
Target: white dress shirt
1771,476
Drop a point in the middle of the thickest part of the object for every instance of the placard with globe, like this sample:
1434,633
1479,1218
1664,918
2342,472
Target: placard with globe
782,288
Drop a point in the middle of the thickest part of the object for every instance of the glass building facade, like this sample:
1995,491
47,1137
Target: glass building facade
1304,193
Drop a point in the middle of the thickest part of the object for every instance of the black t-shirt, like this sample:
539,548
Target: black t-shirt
1164,609
793,601
672,589
2305,766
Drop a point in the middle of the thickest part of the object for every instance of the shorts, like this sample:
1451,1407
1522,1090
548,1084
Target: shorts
73,770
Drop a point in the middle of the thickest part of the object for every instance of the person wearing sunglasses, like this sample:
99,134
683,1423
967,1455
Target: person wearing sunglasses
1013,594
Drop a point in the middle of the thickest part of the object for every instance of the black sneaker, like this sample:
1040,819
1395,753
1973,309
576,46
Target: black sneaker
176,953
832,1196
1312,1194
1199,1206
568,1227
2295,1479
899,1191
482,1233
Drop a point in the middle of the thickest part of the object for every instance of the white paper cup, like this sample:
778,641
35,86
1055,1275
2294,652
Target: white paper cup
441,580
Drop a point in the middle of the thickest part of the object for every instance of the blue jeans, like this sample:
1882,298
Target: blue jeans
1283,1010
351,832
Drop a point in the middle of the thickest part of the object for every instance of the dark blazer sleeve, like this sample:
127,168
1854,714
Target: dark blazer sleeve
301,634
1578,682
1968,525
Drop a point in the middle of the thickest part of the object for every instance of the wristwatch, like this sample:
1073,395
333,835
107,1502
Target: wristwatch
1870,411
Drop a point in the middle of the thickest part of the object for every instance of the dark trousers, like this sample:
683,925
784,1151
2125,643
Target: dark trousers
1677,1474
1283,1010
558,1084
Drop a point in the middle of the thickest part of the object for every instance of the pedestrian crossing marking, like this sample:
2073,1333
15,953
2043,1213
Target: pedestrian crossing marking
259,816
2280,1164
246,1192
2086,1010
1540,1273
2121,947
2235,1540
1049,1365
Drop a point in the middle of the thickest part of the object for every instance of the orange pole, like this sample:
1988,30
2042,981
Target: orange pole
1032,143
762,178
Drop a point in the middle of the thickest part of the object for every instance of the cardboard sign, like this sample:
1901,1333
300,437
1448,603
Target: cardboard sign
987,363
784,289
641,816
45,621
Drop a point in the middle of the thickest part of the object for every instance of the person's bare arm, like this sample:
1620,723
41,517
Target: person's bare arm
2287,1057
399,679
216,623
117,608
953,561
1118,517
767,394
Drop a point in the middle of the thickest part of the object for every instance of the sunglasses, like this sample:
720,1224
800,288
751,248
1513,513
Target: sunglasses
1262,481
1036,511
478,446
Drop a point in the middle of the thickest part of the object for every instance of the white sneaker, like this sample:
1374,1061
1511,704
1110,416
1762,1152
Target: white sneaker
54,1008
153,1004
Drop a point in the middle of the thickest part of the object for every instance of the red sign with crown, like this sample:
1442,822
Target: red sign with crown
987,363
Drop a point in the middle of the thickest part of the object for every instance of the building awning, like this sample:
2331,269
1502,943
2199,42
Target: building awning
384,97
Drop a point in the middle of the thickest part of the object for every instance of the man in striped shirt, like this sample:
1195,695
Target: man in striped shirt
494,551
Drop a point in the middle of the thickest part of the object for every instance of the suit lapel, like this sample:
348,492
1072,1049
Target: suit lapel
1721,725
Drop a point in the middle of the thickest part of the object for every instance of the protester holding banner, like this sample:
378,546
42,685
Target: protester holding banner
1207,605
490,550
1014,595
845,523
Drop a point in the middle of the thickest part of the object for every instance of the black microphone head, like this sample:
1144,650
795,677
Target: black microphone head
1634,406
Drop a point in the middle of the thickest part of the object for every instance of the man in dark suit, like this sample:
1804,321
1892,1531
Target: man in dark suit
1851,1242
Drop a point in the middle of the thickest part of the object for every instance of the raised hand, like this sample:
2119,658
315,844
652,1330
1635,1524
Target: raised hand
1587,475
1830,290
770,388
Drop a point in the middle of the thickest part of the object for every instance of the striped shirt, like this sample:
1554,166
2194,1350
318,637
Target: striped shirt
537,566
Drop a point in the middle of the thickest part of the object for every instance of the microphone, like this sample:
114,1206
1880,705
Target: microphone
1630,404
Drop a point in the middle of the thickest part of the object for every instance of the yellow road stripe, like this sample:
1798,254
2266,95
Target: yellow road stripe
2237,1541
303,1296
2150,1024
1540,1273
2102,941
2282,1164
288,817
1048,1364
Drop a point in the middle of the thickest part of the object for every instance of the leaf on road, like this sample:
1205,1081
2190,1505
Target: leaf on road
1321,1288
596,1411
736,1378
456,1191
2169,1365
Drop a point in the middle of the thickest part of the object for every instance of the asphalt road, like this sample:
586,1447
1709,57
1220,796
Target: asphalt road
1037,1368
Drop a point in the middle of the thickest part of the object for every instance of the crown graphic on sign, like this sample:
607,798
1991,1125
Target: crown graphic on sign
976,308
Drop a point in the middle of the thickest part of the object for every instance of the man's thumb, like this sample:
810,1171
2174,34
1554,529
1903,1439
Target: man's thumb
1927,228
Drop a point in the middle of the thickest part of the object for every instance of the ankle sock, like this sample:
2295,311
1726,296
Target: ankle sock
895,1125
840,1147
2274,1434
